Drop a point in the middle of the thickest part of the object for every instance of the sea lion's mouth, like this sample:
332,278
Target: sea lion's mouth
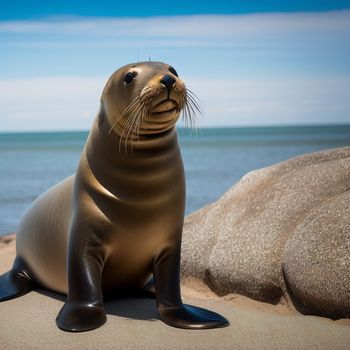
165,106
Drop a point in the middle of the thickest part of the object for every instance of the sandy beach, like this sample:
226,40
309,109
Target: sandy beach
29,323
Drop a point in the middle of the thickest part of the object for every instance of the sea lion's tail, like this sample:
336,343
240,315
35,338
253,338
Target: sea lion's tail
16,282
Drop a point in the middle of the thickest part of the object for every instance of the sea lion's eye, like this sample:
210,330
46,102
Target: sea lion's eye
173,71
129,77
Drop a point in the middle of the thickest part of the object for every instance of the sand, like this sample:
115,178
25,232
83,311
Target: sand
29,323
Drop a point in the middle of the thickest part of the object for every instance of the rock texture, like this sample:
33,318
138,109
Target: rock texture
316,259
285,228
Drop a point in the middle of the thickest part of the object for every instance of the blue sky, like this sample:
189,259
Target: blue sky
250,62
40,9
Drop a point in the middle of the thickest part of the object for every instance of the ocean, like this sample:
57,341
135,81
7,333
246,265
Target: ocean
214,158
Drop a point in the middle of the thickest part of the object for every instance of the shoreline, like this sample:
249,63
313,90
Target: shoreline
183,128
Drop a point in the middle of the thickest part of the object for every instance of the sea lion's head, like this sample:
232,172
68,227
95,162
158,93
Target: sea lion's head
146,98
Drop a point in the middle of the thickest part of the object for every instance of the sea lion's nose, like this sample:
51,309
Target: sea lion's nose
168,81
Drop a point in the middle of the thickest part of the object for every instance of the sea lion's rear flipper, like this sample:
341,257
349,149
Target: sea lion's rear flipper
16,282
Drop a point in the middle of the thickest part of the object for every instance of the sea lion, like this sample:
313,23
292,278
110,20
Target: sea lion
118,220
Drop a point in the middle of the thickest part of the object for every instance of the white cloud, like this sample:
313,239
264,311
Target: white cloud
68,103
197,30
247,69
185,26
275,101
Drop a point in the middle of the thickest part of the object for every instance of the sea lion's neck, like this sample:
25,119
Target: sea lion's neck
116,148
153,165
147,155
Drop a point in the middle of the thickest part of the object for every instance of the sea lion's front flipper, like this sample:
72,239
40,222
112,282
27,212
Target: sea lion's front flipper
166,272
83,309
80,316
16,282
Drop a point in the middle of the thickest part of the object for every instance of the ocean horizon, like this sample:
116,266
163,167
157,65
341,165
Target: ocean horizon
214,159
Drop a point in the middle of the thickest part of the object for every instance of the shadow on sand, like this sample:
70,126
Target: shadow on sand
135,307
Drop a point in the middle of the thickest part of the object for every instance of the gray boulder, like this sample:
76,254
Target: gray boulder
281,229
316,259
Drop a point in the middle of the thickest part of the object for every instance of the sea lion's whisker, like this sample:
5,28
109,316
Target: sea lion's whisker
130,111
132,104
191,93
139,123
191,96
147,98
131,125
191,118
147,111
127,127
127,109
139,127
133,132
195,103
190,108
112,127
124,136
124,113
191,111
134,112
126,124
130,107
185,115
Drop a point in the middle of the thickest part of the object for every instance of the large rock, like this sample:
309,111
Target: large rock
285,228
316,259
